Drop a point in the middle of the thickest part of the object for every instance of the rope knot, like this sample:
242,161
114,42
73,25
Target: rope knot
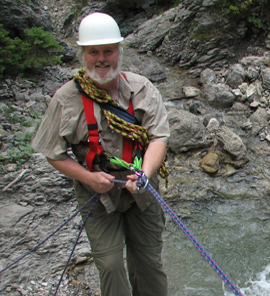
143,181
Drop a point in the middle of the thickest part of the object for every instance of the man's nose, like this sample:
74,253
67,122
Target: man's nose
101,56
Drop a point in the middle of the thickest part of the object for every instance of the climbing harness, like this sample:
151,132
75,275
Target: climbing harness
142,185
95,149
119,120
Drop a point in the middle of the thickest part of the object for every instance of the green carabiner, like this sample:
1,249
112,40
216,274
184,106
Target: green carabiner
137,165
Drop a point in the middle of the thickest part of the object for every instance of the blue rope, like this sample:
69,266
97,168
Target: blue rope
142,181
76,242
47,238
194,241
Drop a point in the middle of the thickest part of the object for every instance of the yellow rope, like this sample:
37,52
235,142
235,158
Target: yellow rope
115,123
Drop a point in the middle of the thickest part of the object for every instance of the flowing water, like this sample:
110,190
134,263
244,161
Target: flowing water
236,233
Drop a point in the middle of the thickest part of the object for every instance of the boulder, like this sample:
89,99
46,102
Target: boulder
235,76
219,95
187,131
210,163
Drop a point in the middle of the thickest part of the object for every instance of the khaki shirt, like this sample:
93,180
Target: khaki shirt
64,125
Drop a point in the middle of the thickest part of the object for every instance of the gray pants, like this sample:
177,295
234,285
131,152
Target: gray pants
141,232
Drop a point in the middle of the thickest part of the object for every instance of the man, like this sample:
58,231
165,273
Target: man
122,215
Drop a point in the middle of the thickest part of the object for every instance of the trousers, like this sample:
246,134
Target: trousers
142,273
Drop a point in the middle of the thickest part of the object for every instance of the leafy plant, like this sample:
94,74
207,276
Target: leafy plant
36,50
20,154
21,151
204,34
39,49
249,10
8,56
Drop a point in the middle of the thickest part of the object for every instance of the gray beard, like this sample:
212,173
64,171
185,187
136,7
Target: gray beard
109,77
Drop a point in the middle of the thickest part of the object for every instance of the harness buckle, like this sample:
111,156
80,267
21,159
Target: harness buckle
101,160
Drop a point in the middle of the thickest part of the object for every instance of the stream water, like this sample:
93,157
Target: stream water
236,233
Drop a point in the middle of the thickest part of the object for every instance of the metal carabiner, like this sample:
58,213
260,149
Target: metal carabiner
142,178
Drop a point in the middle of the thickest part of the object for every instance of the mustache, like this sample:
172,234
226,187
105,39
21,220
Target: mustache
102,64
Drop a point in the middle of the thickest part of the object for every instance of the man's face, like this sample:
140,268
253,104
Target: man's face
101,62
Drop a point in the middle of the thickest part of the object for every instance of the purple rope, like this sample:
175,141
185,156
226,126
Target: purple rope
175,218
190,236
76,242
41,243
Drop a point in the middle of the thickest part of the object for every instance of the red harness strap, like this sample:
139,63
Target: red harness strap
94,145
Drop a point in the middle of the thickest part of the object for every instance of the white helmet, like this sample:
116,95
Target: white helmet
98,29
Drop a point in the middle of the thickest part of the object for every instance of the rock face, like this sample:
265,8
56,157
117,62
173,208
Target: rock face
193,34
218,112
17,16
48,202
187,131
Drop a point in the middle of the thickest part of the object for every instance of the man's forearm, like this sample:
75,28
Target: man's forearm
153,157
99,181
70,168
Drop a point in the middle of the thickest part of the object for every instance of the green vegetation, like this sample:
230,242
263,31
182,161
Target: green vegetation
247,9
176,3
36,50
20,150
201,33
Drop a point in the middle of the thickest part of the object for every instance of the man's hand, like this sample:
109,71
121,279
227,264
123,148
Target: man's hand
131,183
99,181
152,160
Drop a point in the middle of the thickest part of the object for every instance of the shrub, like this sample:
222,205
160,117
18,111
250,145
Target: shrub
36,50
8,57
39,49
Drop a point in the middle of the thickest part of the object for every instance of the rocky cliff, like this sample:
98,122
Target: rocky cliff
191,34
214,77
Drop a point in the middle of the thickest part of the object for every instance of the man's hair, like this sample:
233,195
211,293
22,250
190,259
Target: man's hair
80,53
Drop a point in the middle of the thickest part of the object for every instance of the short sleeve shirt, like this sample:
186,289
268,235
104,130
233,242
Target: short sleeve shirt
64,124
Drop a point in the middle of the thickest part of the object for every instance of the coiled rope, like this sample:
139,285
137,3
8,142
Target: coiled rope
115,123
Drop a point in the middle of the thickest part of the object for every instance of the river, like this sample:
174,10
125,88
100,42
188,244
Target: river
236,233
